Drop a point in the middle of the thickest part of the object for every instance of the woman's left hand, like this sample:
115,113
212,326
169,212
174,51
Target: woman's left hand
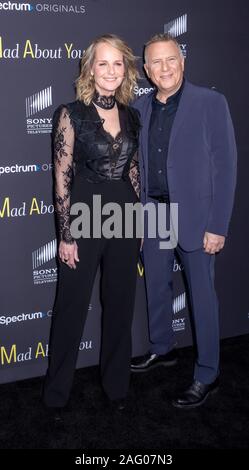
68,253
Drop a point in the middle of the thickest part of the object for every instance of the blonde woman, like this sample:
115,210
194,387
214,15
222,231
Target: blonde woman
95,142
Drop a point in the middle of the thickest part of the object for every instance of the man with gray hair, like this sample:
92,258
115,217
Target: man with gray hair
187,156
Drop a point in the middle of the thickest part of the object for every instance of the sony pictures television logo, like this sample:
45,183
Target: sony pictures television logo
43,273
176,28
23,7
43,263
35,104
179,304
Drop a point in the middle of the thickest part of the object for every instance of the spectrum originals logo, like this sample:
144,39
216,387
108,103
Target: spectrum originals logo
7,320
17,169
41,7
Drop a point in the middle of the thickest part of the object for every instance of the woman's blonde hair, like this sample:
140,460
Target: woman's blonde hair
85,85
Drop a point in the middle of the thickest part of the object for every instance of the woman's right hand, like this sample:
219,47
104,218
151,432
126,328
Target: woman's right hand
68,253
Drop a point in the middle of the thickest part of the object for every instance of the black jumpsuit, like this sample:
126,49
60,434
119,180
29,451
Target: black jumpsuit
89,161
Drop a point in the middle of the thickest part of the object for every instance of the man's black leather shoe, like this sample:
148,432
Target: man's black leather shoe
195,395
150,361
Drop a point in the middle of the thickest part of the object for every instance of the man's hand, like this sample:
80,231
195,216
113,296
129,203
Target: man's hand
68,253
213,243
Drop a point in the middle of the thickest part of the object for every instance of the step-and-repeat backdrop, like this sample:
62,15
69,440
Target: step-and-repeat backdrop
40,48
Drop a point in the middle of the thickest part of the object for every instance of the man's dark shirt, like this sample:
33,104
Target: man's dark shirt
161,121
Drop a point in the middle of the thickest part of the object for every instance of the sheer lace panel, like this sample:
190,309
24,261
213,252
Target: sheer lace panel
63,164
134,174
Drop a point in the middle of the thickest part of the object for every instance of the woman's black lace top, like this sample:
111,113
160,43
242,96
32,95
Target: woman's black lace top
83,148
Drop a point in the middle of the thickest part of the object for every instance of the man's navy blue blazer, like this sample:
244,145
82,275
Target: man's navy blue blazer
201,163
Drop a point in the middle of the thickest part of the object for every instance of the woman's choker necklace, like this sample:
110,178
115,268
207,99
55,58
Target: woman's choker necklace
104,102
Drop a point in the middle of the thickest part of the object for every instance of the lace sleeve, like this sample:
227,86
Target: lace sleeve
134,174
63,140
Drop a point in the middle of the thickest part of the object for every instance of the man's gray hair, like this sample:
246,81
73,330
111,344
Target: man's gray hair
161,37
